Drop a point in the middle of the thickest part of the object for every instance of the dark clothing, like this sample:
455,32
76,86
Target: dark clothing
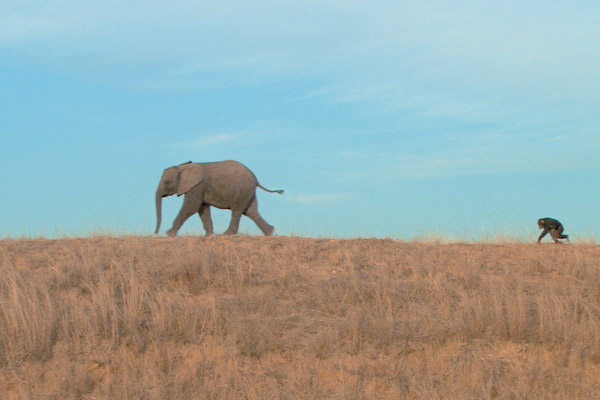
549,223
554,227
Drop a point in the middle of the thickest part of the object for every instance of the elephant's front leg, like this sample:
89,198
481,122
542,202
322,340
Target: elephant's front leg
191,205
206,219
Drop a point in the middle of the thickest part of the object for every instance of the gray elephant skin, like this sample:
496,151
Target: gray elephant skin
226,184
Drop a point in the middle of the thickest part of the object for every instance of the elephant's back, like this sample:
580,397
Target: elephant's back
233,171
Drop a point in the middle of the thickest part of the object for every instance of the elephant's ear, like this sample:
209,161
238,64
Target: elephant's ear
191,175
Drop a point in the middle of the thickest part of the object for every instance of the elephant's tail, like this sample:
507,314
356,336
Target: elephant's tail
267,190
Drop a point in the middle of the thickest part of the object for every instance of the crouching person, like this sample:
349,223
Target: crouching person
554,227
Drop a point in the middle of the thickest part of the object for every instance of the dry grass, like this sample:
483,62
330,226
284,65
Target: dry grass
267,318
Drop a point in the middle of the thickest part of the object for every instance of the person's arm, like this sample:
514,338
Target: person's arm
544,233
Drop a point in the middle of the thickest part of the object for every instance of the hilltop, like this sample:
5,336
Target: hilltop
285,317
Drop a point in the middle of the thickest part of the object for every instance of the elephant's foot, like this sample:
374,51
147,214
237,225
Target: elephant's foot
209,234
172,233
229,233
269,230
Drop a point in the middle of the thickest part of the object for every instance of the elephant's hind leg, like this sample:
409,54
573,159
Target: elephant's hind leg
234,225
252,213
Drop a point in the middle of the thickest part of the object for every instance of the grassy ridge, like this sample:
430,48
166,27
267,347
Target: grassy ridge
278,317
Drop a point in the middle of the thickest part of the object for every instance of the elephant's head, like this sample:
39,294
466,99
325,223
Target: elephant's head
176,180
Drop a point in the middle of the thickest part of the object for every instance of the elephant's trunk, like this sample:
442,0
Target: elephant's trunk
158,209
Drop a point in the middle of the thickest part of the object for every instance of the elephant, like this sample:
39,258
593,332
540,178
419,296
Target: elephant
227,185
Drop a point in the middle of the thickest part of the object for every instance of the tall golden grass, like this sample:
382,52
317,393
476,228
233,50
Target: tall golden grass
278,317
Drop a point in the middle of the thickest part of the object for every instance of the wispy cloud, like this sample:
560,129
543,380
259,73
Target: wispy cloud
467,154
392,52
22,29
512,66
205,142
212,140
321,198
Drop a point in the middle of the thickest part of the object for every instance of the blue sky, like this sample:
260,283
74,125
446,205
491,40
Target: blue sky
393,119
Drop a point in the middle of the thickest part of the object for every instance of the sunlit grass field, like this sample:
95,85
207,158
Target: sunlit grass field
297,318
